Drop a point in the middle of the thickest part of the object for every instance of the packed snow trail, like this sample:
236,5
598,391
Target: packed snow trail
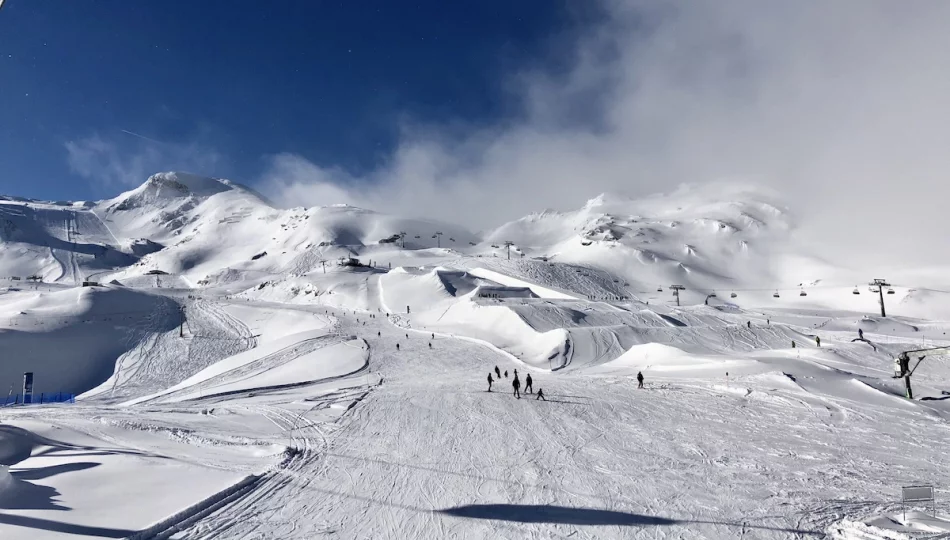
430,454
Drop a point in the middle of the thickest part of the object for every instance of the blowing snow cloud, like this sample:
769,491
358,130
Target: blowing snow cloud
840,106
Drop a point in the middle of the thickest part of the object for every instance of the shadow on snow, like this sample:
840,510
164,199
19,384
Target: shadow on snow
526,513
60,527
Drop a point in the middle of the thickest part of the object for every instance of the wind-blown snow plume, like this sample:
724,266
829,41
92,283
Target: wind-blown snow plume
842,106
109,164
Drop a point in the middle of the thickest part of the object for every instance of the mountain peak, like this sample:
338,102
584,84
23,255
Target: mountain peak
168,186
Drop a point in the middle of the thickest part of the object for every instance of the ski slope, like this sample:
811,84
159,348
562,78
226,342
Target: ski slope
251,386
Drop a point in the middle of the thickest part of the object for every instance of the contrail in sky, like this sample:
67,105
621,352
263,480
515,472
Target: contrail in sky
132,133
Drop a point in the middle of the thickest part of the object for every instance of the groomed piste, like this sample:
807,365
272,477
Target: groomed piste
250,372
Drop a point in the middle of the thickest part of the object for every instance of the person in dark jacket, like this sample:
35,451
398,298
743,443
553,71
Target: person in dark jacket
490,380
506,373
860,333
497,372
818,341
516,384
527,384
540,394
639,379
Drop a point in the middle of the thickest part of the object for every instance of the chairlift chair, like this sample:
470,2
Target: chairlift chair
733,295
712,295
659,289
890,291
803,293
855,291
776,295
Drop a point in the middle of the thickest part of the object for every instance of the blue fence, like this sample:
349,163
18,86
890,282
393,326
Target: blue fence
39,399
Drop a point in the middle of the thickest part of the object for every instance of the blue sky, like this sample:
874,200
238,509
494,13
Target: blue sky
482,112
93,94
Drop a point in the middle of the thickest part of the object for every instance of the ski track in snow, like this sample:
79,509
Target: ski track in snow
761,467
407,443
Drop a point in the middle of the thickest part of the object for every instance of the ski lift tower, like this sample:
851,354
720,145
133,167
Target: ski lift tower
902,364
880,284
676,292
508,244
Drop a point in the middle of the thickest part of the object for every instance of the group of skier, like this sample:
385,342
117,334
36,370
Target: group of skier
516,384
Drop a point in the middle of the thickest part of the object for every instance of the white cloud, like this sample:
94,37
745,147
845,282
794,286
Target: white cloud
842,106
109,165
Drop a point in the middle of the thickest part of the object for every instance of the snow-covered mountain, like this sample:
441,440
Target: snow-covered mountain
305,364
698,237
197,229
207,230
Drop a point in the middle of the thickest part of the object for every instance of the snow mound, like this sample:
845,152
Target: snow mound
294,360
660,357
98,323
16,444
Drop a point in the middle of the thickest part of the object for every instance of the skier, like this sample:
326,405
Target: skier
527,384
749,324
397,346
540,395
497,372
378,334
506,373
516,384
433,335
818,341
793,344
639,379
430,345
490,380
407,336
768,322
860,333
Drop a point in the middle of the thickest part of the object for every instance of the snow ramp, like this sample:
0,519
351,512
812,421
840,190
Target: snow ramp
295,360
421,289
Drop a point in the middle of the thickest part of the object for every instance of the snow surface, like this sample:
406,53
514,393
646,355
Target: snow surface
238,381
